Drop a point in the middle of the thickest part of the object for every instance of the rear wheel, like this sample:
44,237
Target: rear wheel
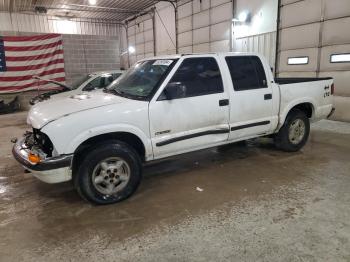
108,174
294,133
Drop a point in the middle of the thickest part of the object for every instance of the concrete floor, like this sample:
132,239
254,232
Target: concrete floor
257,204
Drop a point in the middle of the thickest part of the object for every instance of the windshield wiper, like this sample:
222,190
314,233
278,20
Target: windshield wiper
124,94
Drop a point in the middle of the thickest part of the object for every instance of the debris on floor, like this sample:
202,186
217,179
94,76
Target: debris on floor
199,189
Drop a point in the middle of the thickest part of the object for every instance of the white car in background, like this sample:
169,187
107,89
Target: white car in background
85,83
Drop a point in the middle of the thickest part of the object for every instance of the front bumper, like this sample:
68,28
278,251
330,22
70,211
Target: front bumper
50,170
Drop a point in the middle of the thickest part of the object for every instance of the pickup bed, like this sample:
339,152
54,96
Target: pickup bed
165,106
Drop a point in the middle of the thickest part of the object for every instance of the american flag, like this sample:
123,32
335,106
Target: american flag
22,57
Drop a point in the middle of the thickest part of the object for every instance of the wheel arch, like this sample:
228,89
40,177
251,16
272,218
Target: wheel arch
127,137
306,106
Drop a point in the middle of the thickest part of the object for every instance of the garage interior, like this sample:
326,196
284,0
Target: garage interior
242,202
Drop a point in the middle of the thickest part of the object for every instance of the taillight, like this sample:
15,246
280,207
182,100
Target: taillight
332,89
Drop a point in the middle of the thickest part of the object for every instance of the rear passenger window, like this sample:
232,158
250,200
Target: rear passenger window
198,76
247,72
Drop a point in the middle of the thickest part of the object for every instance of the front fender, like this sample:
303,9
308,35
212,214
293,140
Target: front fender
106,129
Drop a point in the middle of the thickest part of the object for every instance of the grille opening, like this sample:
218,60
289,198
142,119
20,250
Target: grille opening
43,141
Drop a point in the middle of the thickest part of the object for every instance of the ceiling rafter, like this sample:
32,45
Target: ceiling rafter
117,10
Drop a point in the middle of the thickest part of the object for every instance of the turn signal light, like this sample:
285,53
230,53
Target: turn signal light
34,158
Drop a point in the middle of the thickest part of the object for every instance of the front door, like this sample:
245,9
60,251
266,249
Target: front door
196,114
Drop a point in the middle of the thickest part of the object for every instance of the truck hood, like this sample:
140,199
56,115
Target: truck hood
51,110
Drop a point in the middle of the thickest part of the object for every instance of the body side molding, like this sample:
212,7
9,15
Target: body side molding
204,133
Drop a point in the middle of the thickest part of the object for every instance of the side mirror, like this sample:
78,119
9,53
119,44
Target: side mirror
175,90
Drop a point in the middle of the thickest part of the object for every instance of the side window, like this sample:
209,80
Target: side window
196,77
246,72
94,84
260,71
107,80
116,75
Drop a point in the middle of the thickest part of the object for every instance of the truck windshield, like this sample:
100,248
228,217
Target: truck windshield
141,80
79,81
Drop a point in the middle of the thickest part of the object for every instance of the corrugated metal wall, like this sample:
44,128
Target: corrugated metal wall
140,36
16,22
264,44
165,29
316,29
204,25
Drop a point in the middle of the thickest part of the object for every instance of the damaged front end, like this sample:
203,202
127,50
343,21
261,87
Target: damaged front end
36,153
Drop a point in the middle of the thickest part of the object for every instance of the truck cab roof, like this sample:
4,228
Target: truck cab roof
177,56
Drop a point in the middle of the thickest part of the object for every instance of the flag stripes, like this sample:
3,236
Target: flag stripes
22,57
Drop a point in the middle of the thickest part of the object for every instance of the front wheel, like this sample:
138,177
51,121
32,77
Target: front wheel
294,133
109,173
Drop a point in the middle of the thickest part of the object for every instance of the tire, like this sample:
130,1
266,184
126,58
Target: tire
284,138
113,159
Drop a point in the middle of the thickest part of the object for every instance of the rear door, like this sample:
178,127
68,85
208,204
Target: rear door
252,104
197,118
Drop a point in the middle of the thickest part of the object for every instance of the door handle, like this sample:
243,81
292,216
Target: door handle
224,102
267,96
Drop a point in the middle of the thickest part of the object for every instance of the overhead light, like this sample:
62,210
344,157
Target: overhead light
243,16
92,2
131,49
298,60
340,58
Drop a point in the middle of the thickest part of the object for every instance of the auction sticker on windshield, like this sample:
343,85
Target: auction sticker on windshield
163,62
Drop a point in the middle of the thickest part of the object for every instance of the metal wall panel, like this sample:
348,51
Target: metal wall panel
221,13
204,25
304,36
185,50
201,35
30,23
286,2
326,53
141,36
220,31
185,39
311,53
199,6
104,9
201,19
318,31
331,31
185,24
185,10
201,48
302,12
337,8
217,2
263,44
220,46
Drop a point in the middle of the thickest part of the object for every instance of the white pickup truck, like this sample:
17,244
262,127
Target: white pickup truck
162,107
